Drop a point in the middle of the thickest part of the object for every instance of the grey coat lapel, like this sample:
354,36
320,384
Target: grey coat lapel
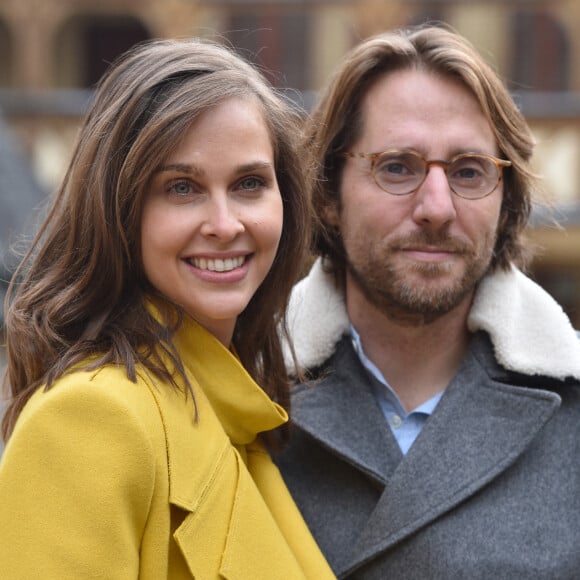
480,427
332,412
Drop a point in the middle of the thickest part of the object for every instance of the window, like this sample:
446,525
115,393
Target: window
89,44
6,56
541,53
276,39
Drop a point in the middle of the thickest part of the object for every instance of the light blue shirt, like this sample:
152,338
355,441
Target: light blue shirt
405,426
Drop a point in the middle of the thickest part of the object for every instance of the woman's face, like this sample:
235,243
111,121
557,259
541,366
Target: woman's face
212,216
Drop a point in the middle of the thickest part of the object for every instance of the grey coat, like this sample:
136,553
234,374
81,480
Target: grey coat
490,488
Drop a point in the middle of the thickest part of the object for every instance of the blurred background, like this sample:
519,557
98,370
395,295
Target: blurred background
53,51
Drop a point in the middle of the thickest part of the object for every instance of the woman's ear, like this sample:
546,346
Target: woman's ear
330,215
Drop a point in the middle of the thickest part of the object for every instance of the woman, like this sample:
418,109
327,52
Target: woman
139,327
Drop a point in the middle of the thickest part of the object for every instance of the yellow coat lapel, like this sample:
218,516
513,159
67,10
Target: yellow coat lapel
239,518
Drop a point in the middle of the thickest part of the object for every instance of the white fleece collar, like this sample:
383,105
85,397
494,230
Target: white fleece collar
530,332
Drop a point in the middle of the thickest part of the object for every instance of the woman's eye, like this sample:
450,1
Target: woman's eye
180,188
252,183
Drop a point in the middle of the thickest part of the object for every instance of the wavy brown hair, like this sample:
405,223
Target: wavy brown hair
80,290
337,123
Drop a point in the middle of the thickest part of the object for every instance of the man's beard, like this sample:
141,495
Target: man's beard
416,292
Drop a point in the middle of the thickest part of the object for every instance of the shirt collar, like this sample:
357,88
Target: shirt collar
425,408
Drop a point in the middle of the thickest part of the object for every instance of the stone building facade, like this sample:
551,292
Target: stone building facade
53,51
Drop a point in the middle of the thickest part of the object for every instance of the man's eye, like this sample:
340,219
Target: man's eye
468,169
468,173
395,167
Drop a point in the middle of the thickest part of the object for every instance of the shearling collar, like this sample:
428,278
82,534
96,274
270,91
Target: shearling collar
530,332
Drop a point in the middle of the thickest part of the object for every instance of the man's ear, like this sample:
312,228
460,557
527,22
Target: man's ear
503,218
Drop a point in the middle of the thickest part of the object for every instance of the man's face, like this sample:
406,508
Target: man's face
417,256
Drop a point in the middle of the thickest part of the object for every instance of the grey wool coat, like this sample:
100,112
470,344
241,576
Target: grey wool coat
491,487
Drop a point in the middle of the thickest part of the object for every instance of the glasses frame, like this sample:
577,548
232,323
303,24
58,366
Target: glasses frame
373,157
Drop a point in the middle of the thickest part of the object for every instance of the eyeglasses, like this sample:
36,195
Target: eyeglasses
402,171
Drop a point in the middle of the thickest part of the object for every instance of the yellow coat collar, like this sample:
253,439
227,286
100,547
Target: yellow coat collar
263,523
242,406
231,410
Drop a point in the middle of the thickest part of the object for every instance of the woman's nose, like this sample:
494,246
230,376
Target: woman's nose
222,220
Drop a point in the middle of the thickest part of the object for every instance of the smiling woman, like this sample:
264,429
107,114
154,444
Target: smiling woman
144,359
212,217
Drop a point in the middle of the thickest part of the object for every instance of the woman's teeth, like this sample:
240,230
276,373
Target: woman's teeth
218,265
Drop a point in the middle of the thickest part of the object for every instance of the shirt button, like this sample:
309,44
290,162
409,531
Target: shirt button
395,421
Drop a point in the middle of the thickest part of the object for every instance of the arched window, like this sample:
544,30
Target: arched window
275,38
6,56
88,44
429,15
540,52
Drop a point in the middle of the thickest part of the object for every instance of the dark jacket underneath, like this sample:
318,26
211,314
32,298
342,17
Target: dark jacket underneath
490,488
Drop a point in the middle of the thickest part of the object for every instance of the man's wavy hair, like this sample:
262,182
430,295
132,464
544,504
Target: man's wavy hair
80,291
337,122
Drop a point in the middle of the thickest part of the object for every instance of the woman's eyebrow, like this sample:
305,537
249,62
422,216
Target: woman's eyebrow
193,169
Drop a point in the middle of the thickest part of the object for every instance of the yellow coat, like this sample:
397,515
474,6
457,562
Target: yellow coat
110,479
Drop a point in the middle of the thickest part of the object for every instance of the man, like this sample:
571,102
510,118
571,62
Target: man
439,437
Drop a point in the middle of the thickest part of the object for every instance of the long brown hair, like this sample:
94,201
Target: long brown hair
80,290
337,122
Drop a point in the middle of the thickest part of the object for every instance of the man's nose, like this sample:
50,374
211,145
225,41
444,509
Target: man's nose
434,201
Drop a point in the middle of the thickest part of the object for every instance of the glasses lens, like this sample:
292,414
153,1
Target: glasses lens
473,176
399,172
